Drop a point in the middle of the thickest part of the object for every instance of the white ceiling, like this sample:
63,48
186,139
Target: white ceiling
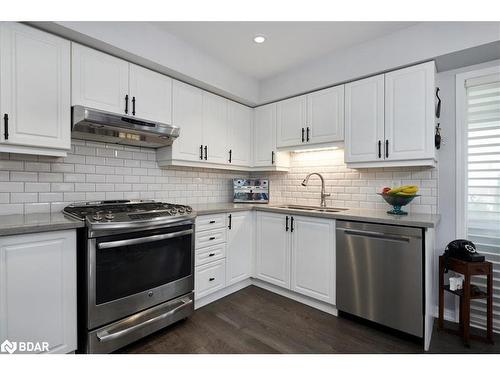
288,44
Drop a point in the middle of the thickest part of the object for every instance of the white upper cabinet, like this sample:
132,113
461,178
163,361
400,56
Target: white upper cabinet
215,129
150,94
240,132
409,113
38,289
389,119
325,115
34,91
239,253
272,260
364,120
100,81
313,266
187,115
291,121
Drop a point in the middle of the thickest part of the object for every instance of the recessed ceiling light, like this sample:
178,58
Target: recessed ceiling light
259,39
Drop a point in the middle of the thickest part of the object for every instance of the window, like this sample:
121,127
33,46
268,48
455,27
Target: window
478,170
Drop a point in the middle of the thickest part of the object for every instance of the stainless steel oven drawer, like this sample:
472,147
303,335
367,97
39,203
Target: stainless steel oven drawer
125,331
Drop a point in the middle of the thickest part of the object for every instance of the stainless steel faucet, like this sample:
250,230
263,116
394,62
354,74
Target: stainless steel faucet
323,194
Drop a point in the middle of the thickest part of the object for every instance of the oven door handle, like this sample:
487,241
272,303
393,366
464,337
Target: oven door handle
137,241
104,335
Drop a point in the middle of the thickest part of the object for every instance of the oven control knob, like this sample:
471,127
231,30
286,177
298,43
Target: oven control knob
189,209
173,211
109,216
181,210
150,294
97,216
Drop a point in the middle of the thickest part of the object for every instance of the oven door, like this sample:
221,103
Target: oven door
132,272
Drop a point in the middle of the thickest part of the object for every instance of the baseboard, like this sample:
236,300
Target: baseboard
323,306
221,293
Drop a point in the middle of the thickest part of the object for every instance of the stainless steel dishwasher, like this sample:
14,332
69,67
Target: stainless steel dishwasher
379,274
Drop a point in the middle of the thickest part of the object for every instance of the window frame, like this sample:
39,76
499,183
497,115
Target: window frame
461,145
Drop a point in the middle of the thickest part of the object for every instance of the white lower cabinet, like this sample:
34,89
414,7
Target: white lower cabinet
272,258
209,278
239,246
38,289
313,258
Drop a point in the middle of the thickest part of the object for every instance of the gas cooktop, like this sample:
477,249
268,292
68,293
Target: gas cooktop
126,211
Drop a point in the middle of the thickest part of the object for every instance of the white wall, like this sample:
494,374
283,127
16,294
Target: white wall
146,44
421,42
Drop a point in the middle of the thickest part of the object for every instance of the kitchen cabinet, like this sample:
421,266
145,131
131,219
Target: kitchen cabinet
34,91
151,94
239,256
291,121
312,119
364,120
209,278
240,133
265,154
38,289
215,129
99,80
110,84
313,258
389,119
272,255
409,113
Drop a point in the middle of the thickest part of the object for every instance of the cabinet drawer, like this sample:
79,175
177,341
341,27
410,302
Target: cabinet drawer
207,222
209,254
209,278
210,237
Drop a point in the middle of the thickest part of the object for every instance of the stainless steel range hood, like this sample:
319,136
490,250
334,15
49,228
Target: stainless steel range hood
96,125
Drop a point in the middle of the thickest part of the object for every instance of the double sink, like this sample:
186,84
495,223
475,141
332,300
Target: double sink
311,208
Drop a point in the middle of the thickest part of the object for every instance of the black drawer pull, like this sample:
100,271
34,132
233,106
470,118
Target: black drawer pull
126,104
230,225
291,224
201,152
133,105
286,225
211,254
230,156
386,148
211,222
379,149
206,152
303,134
307,134
212,238
272,157
6,126
211,279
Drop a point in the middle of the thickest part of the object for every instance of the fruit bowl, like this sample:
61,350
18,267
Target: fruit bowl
397,201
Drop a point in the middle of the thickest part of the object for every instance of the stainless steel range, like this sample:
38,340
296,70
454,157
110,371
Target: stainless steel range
136,270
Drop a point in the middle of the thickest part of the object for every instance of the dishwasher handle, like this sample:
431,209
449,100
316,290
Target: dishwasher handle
371,234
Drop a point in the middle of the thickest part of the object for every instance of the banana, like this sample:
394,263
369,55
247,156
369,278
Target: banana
406,189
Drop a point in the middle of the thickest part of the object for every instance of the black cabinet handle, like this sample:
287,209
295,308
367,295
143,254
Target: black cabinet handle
201,152
6,126
230,221
230,155
272,157
291,224
386,148
126,104
211,254
133,106
286,225
212,238
307,136
302,134
379,149
206,152
211,279
211,222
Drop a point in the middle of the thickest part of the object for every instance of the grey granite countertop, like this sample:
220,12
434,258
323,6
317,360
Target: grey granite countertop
33,223
355,214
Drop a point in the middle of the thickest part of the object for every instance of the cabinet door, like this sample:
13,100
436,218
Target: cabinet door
187,115
325,115
364,120
272,261
239,253
38,289
99,80
215,128
264,135
291,121
313,258
152,93
409,112
240,132
35,87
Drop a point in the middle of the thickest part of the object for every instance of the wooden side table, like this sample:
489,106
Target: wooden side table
467,269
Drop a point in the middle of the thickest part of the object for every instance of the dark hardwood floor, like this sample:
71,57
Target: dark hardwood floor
255,321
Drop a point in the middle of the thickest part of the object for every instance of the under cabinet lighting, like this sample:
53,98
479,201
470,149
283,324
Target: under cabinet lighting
259,39
315,149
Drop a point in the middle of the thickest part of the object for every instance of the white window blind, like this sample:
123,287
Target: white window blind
483,184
